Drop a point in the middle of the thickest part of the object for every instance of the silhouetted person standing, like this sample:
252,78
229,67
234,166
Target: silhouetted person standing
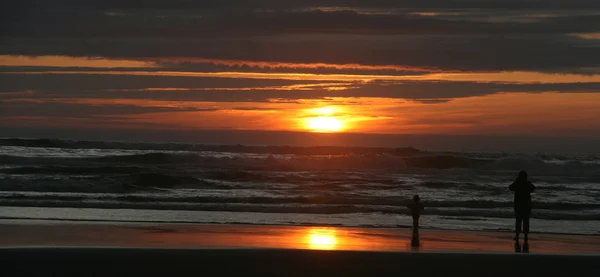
522,206
416,207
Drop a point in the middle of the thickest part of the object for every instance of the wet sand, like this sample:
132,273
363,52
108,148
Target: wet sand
47,233
32,247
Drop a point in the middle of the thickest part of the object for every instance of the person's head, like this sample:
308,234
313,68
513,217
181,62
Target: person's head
522,175
416,198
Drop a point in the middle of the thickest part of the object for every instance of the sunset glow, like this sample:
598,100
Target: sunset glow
307,68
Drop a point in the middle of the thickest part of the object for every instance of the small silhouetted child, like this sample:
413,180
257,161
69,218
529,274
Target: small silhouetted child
416,207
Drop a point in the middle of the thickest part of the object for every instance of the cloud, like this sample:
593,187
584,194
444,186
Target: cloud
202,64
186,24
70,62
57,108
99,82
587,35
311,81
291,4
378,53
36,105
171,88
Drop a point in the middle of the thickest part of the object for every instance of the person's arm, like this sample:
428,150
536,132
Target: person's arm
512,186
531,187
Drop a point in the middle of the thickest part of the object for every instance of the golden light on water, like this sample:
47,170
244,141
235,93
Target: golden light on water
322,239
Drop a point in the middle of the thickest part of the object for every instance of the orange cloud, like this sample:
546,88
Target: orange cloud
66,61
297,87
587,35
282,65
517,77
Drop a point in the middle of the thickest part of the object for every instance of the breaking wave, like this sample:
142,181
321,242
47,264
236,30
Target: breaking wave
557,212
298,163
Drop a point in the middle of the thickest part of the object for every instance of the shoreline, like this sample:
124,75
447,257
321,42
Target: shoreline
349,220
67,221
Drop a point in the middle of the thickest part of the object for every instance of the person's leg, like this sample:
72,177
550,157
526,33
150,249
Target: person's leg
414,242
415,224
526,226
518,220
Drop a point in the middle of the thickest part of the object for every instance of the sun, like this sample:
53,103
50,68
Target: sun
324,124
324,119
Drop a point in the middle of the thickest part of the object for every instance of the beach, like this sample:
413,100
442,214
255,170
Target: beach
67,247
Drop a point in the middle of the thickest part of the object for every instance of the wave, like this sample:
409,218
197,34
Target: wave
293,163
414,157
157,180
308,163
65,170
380,203
120,182
536,163
276,150
567,188
445,162
502,189
299,163
127,178
34,142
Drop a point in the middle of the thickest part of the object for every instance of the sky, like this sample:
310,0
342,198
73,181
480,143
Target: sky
510,68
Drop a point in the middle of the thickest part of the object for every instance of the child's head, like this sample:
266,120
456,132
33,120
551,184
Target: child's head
416,198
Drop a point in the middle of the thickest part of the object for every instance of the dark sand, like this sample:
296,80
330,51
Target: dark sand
283,262
53,248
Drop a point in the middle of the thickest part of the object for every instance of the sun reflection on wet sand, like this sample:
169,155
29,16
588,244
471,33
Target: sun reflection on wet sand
322,239
281,237
313,238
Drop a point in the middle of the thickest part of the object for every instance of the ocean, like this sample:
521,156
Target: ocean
286,185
